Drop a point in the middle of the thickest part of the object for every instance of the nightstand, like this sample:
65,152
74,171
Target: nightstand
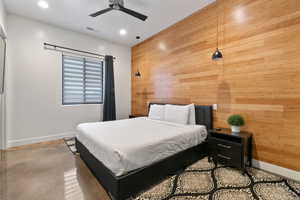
135,116
230,149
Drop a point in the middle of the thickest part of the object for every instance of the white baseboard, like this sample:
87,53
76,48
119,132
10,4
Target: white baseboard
15,143
288,173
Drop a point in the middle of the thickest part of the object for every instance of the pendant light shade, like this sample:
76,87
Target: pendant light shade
138,74
217,55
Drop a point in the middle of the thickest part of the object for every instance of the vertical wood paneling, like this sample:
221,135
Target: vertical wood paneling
258,77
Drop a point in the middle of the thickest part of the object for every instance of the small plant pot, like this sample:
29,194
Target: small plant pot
235,129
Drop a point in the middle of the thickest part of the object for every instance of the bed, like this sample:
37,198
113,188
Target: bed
153,150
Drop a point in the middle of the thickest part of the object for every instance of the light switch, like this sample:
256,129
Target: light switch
215,106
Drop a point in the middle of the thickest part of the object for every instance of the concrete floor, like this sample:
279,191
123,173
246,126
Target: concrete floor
47,171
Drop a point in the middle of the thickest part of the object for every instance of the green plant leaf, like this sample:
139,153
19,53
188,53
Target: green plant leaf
236,120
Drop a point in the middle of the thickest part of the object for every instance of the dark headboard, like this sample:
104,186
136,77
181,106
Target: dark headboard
204,114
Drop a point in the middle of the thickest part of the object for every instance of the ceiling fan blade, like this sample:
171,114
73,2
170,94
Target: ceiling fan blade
101,12
133,13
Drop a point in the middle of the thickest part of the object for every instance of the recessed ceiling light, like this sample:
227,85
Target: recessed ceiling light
43,4
123,32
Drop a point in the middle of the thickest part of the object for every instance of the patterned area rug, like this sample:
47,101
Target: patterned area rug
70,142
206,181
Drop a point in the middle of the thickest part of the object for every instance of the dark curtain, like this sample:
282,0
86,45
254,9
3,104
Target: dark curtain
109,107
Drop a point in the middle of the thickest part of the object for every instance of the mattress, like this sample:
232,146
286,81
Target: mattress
126,145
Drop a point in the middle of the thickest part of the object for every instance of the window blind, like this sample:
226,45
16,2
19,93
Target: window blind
82,80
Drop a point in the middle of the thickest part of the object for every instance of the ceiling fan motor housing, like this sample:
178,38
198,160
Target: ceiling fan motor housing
119,5
115,4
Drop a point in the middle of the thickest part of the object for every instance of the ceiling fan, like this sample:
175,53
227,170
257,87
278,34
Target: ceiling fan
119,5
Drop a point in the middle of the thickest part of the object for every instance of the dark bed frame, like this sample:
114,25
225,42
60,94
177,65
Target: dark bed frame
130,184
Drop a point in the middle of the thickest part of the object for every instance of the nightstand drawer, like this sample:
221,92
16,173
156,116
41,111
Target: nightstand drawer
225,160
230,160
226,147
226,152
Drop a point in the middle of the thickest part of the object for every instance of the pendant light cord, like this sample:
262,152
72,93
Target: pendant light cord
218,24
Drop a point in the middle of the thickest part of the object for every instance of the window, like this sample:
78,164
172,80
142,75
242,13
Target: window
82,80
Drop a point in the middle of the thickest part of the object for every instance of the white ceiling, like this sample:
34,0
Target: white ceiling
74,15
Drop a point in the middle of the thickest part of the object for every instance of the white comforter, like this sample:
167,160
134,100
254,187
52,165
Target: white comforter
126,145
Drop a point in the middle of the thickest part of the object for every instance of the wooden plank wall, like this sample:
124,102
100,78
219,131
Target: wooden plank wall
259,76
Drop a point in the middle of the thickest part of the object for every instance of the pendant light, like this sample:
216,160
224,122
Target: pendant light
217,54
138,74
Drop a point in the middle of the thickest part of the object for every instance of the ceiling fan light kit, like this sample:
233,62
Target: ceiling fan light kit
119,5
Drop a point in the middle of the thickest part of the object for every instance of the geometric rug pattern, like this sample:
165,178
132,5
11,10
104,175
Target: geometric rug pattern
70,142
206,181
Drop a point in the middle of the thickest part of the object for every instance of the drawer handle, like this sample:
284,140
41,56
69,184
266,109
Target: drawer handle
224,146
225,157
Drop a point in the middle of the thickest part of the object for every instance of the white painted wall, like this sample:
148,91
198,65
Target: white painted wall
34,109
2,15
2,96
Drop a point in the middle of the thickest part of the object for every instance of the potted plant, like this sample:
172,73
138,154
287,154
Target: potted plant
236,121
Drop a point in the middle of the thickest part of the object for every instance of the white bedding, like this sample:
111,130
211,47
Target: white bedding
126,145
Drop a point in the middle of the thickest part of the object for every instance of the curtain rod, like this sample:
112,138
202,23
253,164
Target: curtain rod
75,50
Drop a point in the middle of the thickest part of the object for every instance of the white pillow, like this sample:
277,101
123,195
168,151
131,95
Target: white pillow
177,114
157,112
192,114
